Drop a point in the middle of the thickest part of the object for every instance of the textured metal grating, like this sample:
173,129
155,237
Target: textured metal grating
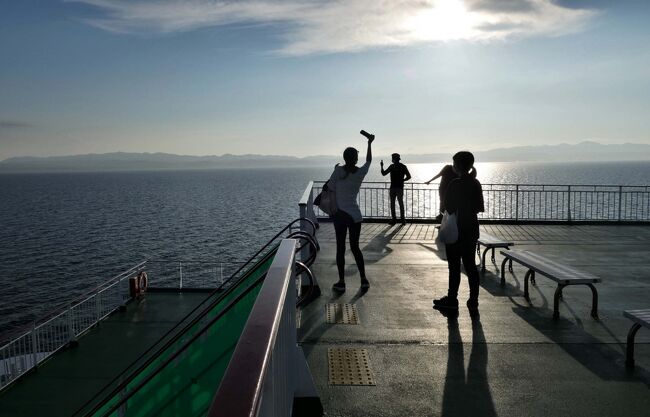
349,367
342,314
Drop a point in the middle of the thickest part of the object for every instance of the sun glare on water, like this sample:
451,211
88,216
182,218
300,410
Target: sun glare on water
444,20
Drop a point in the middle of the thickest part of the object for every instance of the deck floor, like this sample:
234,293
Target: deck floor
515,360
65,382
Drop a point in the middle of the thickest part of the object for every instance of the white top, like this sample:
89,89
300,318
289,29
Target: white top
347,189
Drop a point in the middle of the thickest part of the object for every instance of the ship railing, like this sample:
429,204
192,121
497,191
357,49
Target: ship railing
268,374
46,336
32,344
512,202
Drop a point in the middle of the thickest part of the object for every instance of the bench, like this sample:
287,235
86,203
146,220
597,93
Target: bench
641,318
563,275
490,242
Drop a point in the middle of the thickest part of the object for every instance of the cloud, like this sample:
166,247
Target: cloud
14,124
343,26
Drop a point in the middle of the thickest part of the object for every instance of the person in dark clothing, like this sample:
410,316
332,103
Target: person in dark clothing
398,174
446,175
464,197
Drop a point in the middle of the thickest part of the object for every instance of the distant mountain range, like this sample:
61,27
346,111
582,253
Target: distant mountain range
122,161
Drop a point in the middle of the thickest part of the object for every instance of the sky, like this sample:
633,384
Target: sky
302,77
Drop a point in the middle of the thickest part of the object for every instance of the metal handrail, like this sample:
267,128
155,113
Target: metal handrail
517,202
47,336
205,309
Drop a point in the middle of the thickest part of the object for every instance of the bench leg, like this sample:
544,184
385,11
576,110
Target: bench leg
529,273
594,302
492,257
483,259
556,301
629,356
503,271
510,266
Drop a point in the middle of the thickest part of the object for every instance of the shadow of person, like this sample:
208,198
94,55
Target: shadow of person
437,249
378,245
466,395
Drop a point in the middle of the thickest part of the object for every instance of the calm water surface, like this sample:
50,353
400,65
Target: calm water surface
61,233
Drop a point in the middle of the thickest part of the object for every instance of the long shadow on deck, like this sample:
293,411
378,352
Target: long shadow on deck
467,395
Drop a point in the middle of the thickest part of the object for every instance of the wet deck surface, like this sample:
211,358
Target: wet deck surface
66,381
513,361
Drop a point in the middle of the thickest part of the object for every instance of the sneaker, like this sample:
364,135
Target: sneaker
365,284
446,302
339,286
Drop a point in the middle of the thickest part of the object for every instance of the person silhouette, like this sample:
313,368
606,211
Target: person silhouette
399,173
446,175
463,197
345,182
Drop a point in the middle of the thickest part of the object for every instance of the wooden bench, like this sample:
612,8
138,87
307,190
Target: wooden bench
490,242
641,318
563,275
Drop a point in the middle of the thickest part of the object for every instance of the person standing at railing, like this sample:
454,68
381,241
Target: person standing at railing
399,173
447,174
345,182
464,197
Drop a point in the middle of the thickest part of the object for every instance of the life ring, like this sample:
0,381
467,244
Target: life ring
143,281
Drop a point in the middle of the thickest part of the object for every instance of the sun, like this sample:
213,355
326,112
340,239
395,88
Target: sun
445,20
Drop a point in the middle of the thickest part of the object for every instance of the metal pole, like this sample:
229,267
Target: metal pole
34,345
620,199
70,326
569,206
517,203
180,272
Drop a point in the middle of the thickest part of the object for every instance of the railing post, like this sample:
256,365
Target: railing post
180,273
569,205
517,203
620,201
98,307
34,345
221,268
71,335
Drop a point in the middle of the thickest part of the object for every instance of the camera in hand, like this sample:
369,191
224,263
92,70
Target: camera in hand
367,135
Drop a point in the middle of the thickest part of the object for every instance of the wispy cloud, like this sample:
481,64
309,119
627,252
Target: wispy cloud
342,26
14,124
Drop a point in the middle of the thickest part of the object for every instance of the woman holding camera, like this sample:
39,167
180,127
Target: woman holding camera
345,182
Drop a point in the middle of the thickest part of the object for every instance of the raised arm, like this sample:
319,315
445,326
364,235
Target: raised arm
369,152
384,172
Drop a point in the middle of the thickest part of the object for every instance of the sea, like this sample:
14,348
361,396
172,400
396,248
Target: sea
61,234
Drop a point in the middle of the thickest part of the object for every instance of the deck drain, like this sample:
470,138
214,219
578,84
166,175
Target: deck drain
349,367
342,314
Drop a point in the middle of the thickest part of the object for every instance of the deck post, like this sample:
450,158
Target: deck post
34,345
568,206
620,201
180,273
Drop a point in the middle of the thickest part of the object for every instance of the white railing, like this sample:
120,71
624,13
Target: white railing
268,374
514,202
34,344
47,336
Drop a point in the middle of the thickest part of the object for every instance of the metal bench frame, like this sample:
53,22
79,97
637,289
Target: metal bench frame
638,323
561,283
493,246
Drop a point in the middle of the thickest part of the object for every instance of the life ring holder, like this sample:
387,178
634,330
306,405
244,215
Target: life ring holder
143,281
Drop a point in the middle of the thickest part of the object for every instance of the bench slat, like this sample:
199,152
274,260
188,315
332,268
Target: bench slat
550,268
487,239
639,316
